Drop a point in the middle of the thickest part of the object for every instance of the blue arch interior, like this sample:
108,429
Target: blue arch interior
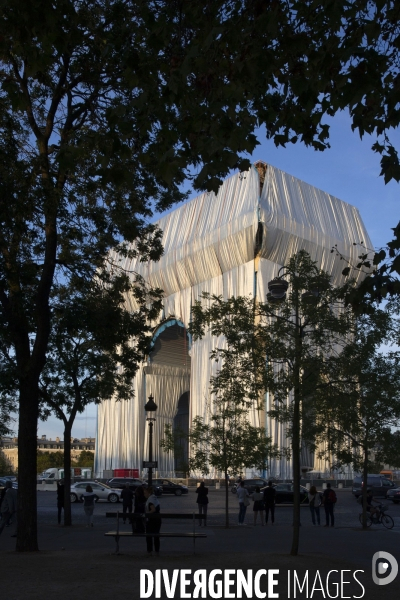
165,326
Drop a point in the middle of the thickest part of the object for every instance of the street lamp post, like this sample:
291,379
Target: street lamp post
150,408
277,294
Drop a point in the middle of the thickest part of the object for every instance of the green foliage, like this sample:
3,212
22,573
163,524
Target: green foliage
49,460
359,405
106,106
5,465
381,269
94,348
85,459
280,346
226,441
95,343
390,444
175,440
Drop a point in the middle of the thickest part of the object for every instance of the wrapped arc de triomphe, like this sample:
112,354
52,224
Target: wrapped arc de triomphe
229,244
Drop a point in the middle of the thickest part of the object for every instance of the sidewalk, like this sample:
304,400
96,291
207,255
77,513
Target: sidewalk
78,560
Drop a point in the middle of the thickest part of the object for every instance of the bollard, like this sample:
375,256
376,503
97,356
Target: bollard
340,486
308,485
217,485
324,486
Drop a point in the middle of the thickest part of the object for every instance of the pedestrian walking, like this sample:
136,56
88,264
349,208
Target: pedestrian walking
138,524
89,498
329,501
314,502
244,502
258,506
60,499
269,502
202,501
127,501
9,507
153,520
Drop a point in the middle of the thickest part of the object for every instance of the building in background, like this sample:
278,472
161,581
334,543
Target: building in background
9,446
227,244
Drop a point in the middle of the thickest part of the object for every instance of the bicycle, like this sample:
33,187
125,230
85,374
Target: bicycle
381,519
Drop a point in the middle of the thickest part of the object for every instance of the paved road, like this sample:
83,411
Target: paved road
76,557
346,510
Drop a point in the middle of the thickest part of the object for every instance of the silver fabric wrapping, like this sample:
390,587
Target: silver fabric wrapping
209,245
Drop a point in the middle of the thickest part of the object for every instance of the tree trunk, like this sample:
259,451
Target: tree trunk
296,439
226,499
67,474
364,488
296,475
27,468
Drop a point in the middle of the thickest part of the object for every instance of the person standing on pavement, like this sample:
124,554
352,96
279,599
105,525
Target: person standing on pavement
9,507
314,502
153,520
60,499
329,501
269,502
244,501
202,501
138,524
127,501
258,506
89,498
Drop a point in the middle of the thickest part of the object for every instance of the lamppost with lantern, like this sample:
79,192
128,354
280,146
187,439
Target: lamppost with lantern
297,319
150,407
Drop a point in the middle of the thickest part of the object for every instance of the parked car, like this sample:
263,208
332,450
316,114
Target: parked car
378,484
168,487
103,491
3,481
393,495
134,483
120,482
250,484
284,493
10,477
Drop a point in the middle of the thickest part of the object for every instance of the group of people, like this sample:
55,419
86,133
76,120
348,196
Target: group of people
262,502
144,507
265,502
142,503
328,500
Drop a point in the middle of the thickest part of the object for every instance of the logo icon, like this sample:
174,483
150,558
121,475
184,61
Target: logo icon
384,568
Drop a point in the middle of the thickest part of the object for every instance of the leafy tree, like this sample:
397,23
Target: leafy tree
48,460
95,346
5,465
105,106
359,405
381,270
85,459
7,406
391,450
226,441
79,174
287,340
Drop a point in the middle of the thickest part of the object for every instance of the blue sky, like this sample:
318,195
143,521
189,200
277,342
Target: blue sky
348,170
